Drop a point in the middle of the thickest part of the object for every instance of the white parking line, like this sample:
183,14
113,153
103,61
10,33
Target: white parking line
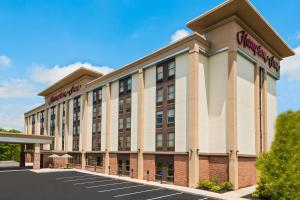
106,180
81,179
203,198
17,170
107,185
169,195
74,176
132,193
121,188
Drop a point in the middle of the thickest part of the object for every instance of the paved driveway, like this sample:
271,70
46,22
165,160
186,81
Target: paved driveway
27,185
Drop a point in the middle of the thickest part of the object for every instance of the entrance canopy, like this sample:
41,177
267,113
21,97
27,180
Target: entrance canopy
17,138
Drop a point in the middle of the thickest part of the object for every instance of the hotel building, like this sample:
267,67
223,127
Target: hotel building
202,107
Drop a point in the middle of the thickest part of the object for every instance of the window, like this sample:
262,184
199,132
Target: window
171,140
100,95
99,126
120,142
99,110
171,92
94,96
159,117
159,73
159,95
94,112
99,161
128,122
94,128
171,116
121,124
171,69
129,84
128,142
128,104
159,140
121,106
121,86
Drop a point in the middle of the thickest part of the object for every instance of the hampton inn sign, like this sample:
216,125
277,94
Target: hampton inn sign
244,39
64,94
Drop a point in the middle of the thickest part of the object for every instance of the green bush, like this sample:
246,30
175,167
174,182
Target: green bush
228,186
255,195
279,174
205,184
215,188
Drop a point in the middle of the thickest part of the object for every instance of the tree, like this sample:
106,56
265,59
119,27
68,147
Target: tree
10,151
279,170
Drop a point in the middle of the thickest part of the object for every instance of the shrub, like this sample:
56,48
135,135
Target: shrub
205,184
215,188
255,195
228,186
279,172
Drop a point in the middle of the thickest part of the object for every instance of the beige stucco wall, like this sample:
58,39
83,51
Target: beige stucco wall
217,103
203,120
114,116
245,106
89,122
149,108
181,82
134,111
271,110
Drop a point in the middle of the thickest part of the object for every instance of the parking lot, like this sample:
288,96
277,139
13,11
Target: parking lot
73,185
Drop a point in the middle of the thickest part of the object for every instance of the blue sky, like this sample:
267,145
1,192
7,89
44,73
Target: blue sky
43,40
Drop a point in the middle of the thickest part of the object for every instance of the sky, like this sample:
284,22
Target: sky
42,41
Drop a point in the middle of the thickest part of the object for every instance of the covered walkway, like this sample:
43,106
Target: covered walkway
23,139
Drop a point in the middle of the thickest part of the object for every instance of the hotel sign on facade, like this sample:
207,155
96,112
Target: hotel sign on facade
64,94
246,41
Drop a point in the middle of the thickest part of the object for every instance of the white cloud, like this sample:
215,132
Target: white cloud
43,74
11,120
16,88
4,60
179,34
291,66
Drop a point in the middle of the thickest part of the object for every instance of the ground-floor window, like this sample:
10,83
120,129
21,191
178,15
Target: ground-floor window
95,160
164,168
76,159
123,165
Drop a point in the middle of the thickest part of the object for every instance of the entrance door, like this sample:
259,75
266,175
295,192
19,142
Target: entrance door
123,165
164,168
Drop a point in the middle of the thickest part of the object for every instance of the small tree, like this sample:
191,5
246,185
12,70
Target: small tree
10,151
279,169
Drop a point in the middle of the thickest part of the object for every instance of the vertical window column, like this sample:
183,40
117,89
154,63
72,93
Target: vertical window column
76,123
97,119
124,136
165,106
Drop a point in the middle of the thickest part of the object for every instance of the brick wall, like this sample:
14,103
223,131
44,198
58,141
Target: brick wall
218,168
133,165
100,169
181,165
113,163
149,164
204,167
90,168
213,167
247,171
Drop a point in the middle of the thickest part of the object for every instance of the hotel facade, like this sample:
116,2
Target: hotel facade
202,107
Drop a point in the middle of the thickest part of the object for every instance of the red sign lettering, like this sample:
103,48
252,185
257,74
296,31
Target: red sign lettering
244,39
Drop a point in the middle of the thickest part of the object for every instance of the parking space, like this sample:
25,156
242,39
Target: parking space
76,185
